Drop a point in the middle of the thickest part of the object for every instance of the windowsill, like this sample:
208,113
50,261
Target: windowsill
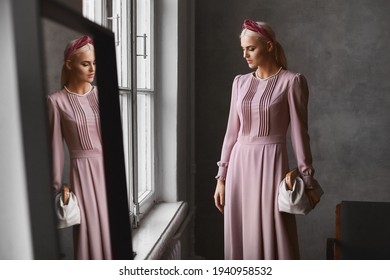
157,229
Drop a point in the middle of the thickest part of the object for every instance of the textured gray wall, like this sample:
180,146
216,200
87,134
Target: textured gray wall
340,46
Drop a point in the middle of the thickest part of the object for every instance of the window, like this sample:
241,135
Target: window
132,23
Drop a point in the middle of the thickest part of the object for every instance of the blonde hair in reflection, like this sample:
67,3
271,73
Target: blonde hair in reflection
65,73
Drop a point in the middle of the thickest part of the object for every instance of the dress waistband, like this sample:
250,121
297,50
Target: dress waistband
263,140
85,154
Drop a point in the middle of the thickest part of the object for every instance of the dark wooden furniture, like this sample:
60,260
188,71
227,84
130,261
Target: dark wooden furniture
362,231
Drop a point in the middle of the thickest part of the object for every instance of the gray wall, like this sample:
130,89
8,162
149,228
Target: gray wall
340,46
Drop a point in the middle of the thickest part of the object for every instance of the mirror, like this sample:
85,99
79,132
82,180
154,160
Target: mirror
93,164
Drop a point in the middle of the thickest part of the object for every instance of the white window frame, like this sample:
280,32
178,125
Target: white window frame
137,105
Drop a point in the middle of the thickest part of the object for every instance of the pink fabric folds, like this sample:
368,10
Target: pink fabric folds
253,26
75,45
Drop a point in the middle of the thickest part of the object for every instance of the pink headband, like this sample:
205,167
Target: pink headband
75,45
255,27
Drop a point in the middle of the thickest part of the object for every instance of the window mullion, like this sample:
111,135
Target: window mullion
133,86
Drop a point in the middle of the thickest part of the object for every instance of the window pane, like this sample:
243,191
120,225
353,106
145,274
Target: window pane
120,19
145,147
125,103
92,10
144,44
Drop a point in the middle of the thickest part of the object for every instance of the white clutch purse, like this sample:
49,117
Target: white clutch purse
67,214
294,197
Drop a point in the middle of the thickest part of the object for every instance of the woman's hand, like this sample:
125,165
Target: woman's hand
65,194
219,195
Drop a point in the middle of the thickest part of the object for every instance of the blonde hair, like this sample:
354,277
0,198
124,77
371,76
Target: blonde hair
279,53
65,73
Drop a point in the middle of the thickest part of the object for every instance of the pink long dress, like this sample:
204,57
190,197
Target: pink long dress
75,119
254,160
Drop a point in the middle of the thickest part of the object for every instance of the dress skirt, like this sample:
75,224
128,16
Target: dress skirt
256,228
92,236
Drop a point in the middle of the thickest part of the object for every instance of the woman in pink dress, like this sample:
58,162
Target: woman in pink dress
254,154
74,118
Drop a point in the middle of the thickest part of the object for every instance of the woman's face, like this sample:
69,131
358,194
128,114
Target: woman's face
255,51
82,66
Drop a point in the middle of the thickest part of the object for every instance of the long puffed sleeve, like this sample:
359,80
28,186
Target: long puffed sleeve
233,127
298,97
56,144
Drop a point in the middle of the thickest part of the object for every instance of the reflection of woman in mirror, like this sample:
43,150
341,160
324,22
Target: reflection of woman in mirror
254,154
74,117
